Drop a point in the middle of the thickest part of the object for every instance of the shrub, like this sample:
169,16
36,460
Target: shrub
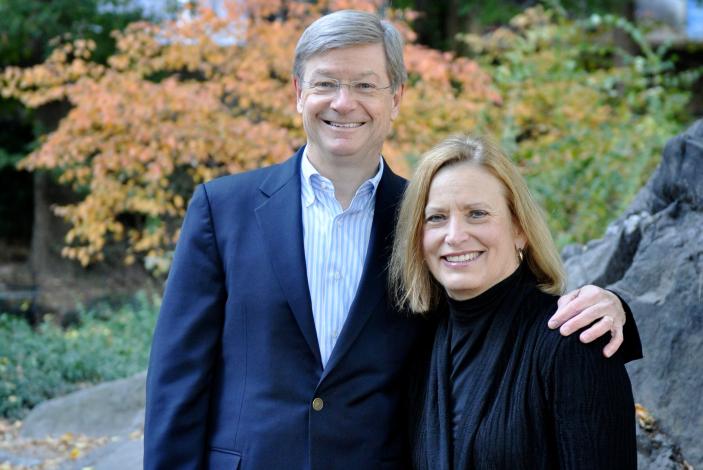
38,364
585,119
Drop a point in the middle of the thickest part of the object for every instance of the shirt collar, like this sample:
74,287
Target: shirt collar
309,174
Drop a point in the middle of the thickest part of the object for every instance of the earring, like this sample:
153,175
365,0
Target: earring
520,254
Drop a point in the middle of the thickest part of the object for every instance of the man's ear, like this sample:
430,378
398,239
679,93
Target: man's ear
397,98
298,94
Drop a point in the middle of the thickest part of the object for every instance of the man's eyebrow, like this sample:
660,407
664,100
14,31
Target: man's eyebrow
331,73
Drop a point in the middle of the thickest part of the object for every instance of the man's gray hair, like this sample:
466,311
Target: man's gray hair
348,28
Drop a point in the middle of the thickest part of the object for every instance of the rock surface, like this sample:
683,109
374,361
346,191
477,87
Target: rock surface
653,257
113,411
122,454
110,409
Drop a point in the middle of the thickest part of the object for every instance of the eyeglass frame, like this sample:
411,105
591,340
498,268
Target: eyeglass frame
336,86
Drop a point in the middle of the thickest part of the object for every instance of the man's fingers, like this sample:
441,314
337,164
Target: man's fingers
603,326
580,318
568,297
614,344
567,308
591,305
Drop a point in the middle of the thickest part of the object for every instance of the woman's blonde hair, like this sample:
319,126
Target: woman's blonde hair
411,282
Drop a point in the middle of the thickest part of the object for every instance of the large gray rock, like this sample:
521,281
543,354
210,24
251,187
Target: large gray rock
655,450
16,460
653,257
110,409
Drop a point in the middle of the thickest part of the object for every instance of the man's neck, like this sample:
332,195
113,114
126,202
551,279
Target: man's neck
346,174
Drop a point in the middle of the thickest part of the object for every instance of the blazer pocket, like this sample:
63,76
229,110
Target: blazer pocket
223,459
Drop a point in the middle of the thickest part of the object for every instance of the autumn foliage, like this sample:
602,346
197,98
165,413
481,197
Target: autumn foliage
184,102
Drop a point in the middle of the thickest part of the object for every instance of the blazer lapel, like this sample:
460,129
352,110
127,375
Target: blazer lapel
372,286
280,220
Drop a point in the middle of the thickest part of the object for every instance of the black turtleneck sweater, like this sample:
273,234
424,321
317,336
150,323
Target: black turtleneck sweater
503,391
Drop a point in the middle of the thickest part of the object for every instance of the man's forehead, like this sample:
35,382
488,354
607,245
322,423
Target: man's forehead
331,72
317,63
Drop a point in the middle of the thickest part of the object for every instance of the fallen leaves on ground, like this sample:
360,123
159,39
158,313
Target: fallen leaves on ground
50,451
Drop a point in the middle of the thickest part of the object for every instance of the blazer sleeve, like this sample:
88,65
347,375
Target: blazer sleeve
632,345
592,408
185,345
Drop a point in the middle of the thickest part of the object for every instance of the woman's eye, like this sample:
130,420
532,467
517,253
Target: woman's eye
477,214
434,218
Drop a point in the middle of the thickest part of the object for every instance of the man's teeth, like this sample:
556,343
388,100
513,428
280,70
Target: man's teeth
344,124
462,258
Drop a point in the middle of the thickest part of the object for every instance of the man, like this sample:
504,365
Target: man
277,345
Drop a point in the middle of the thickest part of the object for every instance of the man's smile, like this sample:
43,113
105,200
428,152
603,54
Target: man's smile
343,125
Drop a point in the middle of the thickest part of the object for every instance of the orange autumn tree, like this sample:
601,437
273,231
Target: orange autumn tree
186,101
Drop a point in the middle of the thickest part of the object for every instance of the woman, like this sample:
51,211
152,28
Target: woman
499,390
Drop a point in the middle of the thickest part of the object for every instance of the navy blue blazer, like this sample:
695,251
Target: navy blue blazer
235,365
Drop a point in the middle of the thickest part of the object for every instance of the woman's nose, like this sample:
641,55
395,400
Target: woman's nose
456,231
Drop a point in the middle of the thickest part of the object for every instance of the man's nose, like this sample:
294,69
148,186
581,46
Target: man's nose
344,99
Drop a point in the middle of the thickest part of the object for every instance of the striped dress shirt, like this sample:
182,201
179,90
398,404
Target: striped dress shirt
335,242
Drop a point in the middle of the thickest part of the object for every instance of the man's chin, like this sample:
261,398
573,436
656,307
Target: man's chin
344,151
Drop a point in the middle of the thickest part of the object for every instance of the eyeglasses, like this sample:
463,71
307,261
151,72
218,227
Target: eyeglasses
330,87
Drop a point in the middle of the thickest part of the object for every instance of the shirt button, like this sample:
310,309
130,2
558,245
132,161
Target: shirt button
336,275
318,404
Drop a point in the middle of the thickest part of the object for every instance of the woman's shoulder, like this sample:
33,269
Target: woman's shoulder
564,362
551,347
539,307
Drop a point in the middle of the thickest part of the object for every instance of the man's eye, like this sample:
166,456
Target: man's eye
364,86
325,85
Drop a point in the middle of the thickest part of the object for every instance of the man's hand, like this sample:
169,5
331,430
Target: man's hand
581,307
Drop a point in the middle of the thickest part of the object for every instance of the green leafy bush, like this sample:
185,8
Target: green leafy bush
585,119
36,365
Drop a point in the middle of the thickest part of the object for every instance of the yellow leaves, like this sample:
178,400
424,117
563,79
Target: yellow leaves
645,418
532,18
182,103
55,451
51,80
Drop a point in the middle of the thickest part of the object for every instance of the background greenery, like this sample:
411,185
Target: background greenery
584,117
439,22
37,364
